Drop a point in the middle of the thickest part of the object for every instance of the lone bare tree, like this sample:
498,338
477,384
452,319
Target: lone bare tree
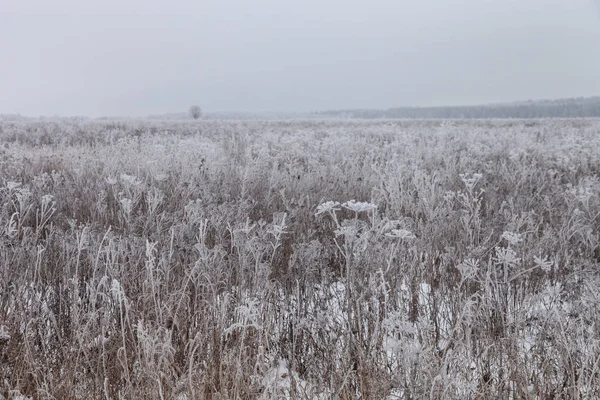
195,112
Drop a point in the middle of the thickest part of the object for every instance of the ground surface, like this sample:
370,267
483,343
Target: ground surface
407,259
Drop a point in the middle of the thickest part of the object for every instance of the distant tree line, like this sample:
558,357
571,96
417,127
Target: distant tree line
563,108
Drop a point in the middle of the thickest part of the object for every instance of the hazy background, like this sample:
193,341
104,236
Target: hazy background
140,57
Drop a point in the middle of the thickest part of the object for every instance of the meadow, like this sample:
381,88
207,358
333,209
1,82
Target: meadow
300,259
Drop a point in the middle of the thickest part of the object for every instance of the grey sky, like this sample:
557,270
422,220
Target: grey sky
139,57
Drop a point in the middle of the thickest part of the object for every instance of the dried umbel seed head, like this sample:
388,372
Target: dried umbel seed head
400,234
512,238
358,206
327,207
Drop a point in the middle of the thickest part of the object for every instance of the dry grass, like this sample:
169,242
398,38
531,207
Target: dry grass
191,260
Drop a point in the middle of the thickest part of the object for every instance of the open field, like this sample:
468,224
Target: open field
305,260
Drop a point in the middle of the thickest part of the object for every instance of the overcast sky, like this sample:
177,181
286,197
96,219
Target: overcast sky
140,57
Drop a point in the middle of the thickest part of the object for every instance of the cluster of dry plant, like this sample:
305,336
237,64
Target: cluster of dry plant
304,260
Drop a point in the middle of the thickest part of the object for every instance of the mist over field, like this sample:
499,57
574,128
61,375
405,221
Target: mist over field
140,58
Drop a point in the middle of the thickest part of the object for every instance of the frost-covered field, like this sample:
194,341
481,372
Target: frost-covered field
304,260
